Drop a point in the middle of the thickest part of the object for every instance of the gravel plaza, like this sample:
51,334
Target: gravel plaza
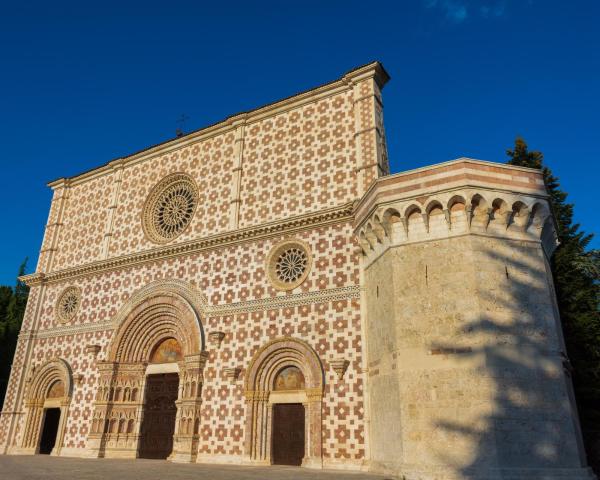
45,467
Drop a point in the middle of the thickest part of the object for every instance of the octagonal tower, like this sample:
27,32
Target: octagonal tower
467,369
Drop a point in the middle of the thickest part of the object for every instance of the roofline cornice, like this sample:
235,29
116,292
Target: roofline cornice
430,168
373,70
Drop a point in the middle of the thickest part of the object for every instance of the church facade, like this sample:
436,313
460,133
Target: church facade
264,291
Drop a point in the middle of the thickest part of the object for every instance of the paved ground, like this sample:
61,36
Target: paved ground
49,468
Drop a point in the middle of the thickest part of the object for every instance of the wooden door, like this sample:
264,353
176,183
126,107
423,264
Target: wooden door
288,434
158,424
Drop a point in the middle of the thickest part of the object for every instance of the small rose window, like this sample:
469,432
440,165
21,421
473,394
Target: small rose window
288,264
68,304
291,265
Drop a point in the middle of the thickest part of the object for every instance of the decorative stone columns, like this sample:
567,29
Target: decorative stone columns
313,457
263,369
189,402
49,387
118,410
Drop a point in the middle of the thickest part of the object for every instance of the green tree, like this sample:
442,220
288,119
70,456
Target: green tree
576,277
10,324
5,296
16,307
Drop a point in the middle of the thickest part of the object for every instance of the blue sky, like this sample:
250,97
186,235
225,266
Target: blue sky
84,82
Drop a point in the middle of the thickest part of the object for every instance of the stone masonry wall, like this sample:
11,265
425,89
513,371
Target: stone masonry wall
324,311
463,333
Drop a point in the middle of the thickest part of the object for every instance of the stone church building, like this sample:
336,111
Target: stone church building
264,291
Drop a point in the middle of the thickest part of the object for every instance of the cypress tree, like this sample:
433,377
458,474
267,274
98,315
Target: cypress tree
576,272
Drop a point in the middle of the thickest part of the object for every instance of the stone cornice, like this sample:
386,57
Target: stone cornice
372,70
448,176
287,226
280,301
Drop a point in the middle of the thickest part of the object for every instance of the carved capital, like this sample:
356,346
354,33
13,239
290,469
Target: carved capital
314,394
257,395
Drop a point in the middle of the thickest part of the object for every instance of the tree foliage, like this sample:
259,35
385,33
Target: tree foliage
12,309
576,271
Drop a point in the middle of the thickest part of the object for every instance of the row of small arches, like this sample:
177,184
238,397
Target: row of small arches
113,425
190,390
127,394
118,394
124,426
454,214
185,426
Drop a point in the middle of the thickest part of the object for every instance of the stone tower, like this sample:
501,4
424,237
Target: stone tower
466,363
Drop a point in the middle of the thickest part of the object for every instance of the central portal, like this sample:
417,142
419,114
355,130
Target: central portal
288,433
158,424
148,398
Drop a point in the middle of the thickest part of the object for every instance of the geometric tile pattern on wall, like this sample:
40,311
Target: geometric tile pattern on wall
230,276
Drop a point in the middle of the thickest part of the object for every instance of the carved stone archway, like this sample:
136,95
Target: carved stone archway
50,386
165,310
259,385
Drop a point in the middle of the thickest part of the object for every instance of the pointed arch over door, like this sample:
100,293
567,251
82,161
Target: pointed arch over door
262,393
49,387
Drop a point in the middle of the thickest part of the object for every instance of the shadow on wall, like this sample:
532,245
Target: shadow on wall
519,352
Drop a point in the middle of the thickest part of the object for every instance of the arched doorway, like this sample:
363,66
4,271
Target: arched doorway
288,439
284,392
149,388
160,396
47,403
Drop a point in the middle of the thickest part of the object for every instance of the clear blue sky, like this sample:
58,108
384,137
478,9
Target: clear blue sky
84,82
